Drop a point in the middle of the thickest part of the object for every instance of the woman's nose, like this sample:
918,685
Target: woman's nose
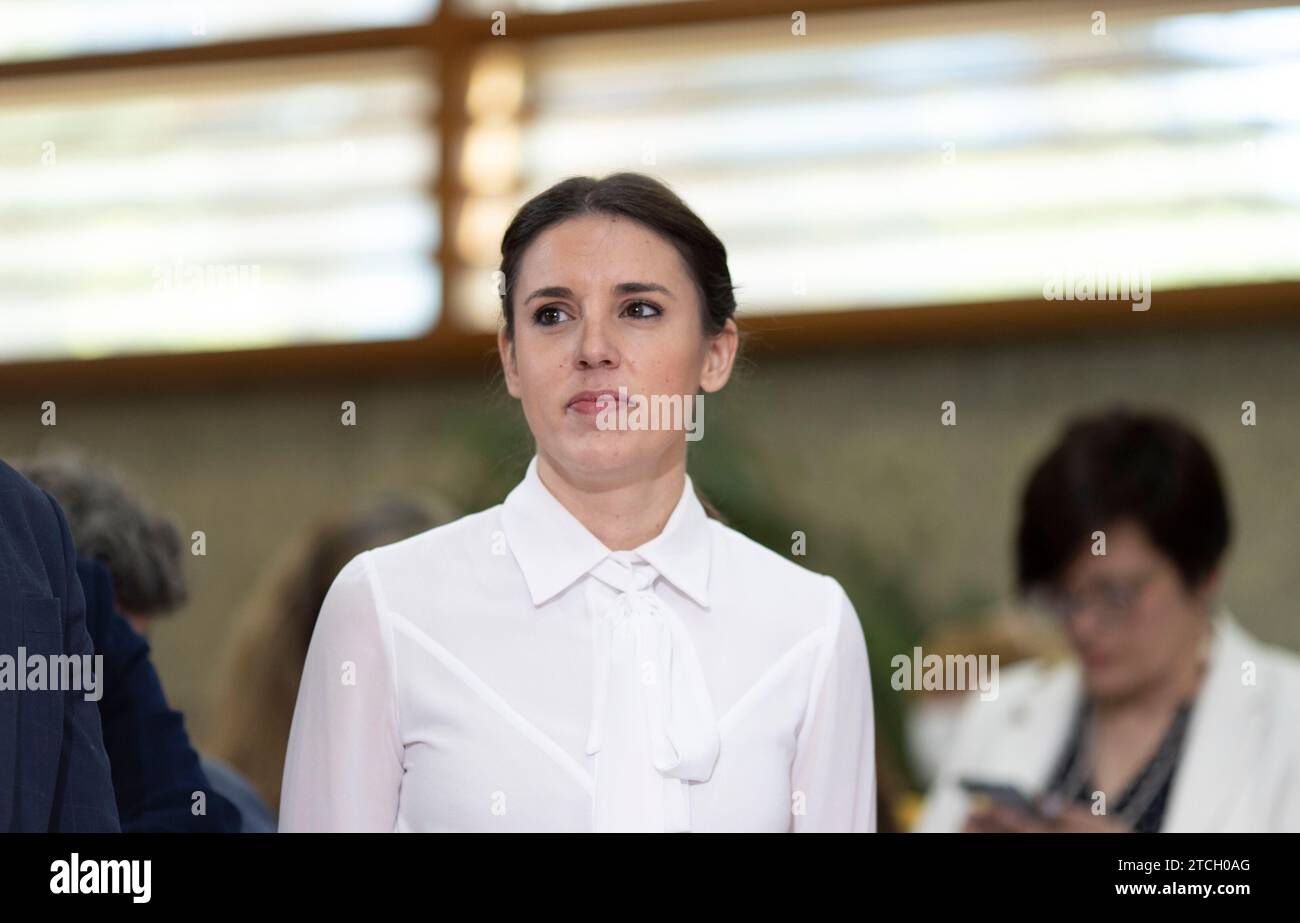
596,346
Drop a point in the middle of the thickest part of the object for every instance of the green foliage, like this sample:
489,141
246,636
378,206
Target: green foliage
732,475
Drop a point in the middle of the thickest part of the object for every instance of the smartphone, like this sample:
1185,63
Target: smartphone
1003,794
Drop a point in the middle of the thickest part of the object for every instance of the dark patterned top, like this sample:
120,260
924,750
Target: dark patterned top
1159,773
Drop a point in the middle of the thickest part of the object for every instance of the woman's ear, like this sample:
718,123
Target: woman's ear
719,357
506,349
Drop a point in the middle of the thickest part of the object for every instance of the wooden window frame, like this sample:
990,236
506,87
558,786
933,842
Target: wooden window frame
455,38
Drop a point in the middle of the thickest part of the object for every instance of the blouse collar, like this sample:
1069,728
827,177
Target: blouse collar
554,549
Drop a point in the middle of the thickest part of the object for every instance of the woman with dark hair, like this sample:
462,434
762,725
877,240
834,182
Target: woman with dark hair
1169,717
596,653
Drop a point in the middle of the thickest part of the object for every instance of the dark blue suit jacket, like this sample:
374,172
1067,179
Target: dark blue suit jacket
54,775
156,773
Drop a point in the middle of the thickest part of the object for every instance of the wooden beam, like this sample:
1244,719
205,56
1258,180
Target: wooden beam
1010,321
450,351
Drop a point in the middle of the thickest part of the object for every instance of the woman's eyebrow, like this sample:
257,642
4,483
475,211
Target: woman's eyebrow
636,288
551,291
623,288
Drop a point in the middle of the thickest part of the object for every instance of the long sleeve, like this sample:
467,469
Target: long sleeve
834,772
156,771
83,794
343,769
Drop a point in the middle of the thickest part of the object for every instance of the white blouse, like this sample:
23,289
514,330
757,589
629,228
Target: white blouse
508,672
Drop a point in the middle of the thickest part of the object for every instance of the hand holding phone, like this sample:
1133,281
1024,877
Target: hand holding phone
1003,794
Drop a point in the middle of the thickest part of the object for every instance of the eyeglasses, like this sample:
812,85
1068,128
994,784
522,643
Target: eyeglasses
1112,600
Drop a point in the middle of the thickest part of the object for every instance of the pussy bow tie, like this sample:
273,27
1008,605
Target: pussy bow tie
652,719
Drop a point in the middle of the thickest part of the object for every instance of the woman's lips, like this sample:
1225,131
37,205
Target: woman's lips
1095,659
590,403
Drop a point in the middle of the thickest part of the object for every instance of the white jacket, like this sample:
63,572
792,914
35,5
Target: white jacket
1240,765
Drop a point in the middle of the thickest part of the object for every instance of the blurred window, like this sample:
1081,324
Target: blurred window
189,188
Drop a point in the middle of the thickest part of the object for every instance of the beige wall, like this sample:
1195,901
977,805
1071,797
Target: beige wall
852,440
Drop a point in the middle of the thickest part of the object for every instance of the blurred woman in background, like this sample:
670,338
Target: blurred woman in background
1170,717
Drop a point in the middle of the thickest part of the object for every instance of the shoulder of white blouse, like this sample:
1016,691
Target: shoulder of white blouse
772,568
450,535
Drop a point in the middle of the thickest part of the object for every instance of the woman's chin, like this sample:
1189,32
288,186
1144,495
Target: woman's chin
604,454
1108,684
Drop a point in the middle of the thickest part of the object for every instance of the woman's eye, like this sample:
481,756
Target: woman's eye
643,309
1123,595
548,316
